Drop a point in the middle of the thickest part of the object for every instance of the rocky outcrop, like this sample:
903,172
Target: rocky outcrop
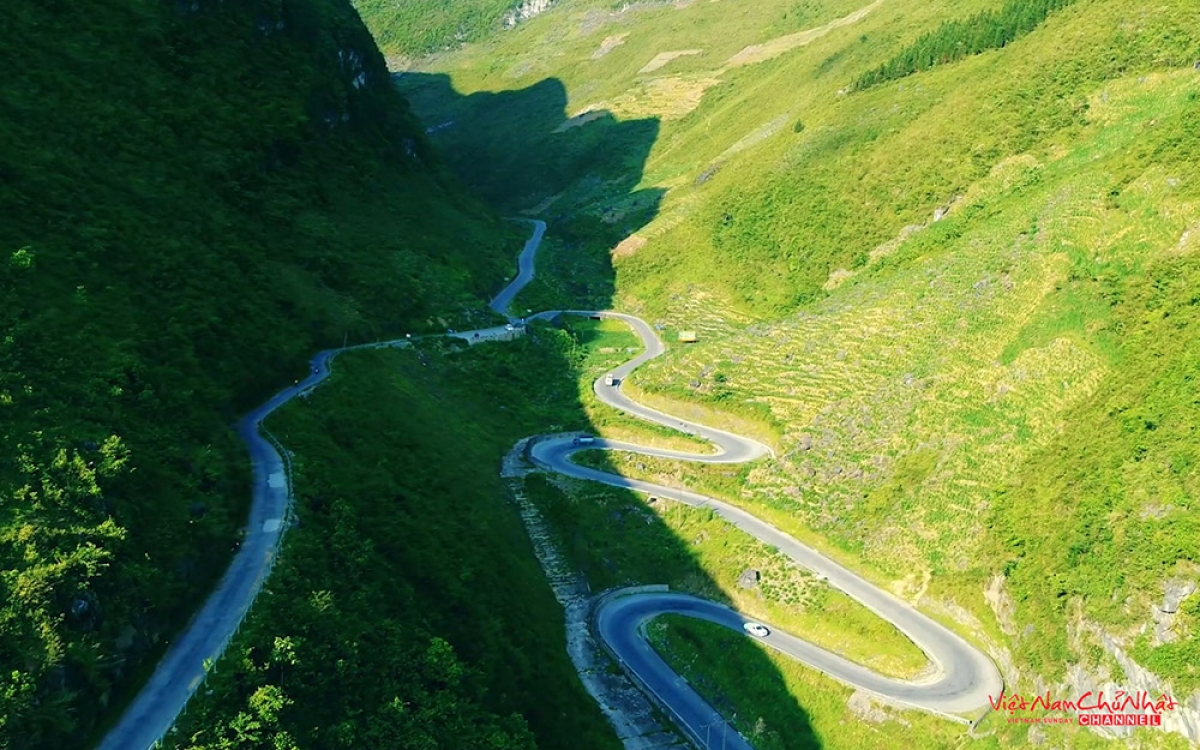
1184,719
636,722
1131,678
1165,614
748,579
866,707
526,10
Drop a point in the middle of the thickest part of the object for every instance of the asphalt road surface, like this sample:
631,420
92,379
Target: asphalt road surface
524,270
183,667
964,679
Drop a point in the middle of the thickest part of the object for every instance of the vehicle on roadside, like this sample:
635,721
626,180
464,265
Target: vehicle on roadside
756,629
508,327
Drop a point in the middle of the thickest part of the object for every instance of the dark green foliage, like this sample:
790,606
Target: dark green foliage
955,40
414,612
508,144
196,196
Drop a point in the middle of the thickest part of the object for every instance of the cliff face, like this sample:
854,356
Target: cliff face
1116,673
196,195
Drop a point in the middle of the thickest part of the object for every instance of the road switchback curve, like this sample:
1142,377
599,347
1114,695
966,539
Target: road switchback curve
964,679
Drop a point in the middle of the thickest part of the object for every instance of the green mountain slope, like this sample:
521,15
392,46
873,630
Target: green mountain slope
407,609
196,197
416,27
959,299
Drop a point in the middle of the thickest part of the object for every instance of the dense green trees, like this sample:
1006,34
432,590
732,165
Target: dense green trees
196,196
407,610
955,40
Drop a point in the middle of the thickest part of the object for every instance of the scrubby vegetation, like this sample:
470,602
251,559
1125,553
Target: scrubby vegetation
617,540
955,40
1125,472
961,307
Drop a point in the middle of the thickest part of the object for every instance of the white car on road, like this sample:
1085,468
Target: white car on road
756,629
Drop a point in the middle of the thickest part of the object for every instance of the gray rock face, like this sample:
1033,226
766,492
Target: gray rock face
748,579
1174,592
1002,604
1184,719
525,11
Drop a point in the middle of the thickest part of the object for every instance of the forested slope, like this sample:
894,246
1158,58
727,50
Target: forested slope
195,197
407,610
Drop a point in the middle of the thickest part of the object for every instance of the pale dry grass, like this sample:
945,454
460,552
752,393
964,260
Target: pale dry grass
665,98
663,58
757,53
583,118
609,44
628,246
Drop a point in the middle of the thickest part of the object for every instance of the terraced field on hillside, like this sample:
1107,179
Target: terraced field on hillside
957,304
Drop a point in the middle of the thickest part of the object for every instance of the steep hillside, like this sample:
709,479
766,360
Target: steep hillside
407,610
196,196
416,27
957,293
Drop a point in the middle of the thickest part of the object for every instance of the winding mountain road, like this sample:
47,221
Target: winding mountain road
964,680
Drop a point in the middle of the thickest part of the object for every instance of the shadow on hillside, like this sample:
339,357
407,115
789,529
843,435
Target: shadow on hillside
511,147
518,148
520,151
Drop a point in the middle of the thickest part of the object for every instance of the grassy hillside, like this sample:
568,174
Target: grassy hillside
416,27
196,196
959,298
